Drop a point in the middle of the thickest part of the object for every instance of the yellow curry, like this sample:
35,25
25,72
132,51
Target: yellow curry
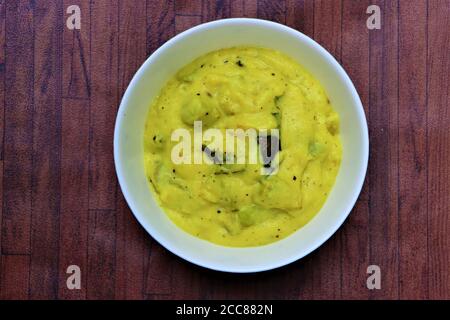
234,204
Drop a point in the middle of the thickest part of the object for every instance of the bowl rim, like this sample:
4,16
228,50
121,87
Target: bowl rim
320,240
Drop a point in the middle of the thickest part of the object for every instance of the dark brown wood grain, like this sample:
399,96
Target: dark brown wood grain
74,203
46,174
413,227
213,10
14,277
243,8
101,264
188,7
160,23
1,216
2,79
76,55
74,212
159,271
272,10
132,250
75,117
438,149
61,203
104,42
18,146
384,163
132,247
184,22
2,108
300,16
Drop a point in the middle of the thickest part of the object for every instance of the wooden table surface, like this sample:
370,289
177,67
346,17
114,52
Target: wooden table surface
59,94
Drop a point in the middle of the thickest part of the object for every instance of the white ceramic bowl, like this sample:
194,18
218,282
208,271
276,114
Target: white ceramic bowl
163,64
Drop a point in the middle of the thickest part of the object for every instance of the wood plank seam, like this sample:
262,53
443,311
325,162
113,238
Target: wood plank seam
21,231
18,162
46,169
2,111
3,82
438,152
398,148
412,83
427,71
77,37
